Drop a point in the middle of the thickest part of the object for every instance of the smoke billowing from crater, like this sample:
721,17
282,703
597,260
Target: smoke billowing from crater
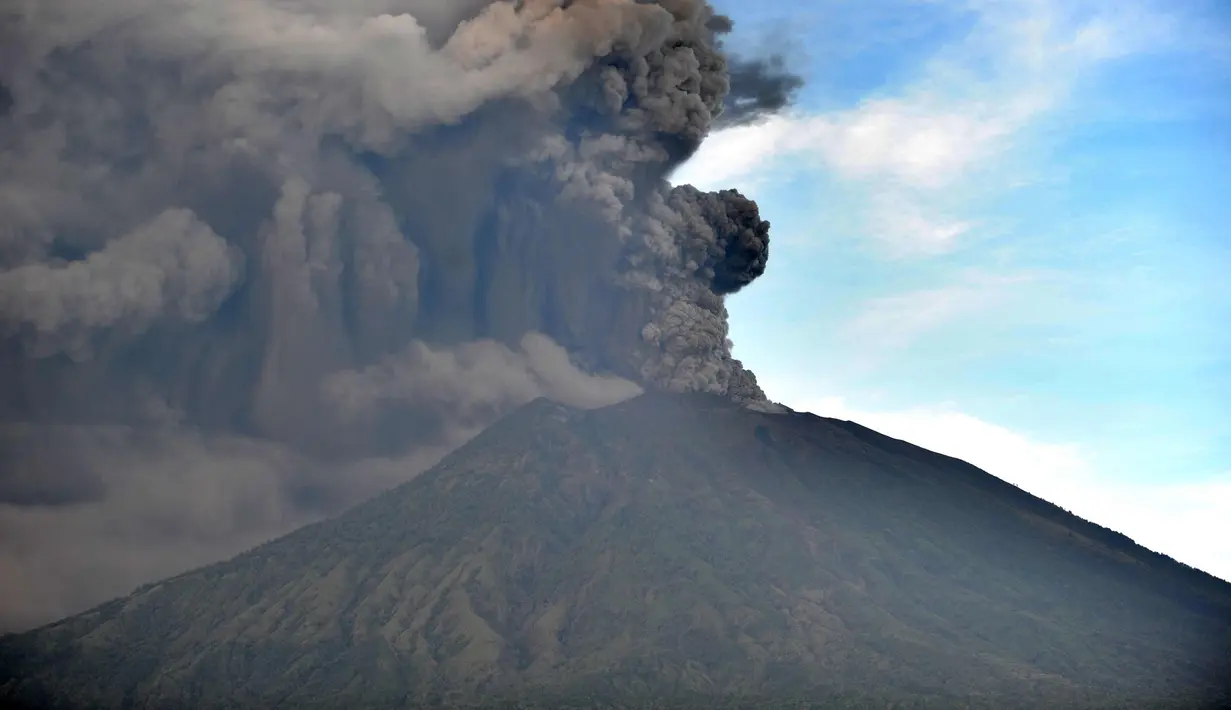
261,258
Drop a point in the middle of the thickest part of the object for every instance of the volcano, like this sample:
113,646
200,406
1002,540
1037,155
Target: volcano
669,551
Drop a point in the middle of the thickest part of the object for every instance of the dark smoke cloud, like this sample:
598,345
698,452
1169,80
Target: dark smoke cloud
262,258
758,88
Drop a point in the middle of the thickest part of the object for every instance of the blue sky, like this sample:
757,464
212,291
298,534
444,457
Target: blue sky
1002,230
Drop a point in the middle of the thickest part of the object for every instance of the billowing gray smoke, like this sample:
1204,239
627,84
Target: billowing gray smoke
758,88
260,258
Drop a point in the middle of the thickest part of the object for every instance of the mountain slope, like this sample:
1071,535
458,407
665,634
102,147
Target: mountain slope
675,548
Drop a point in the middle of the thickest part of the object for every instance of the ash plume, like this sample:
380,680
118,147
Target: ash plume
262,258
759,87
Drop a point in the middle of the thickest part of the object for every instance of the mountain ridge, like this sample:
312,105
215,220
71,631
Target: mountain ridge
673,546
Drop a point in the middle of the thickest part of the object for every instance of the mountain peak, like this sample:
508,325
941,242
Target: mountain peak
671,548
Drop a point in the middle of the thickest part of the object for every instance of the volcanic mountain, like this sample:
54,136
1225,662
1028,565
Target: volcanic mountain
670,551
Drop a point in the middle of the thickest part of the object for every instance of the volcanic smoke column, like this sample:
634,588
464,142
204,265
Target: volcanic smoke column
235,208
349,230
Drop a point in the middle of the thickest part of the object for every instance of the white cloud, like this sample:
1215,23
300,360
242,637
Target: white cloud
975,99
1190,521
906,228
897,321
918,142
743,151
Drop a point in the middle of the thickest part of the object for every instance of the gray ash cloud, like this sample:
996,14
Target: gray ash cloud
759,87
322,243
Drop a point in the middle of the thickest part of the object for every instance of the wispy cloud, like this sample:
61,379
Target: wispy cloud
899,320
918,142
934,140
906,226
